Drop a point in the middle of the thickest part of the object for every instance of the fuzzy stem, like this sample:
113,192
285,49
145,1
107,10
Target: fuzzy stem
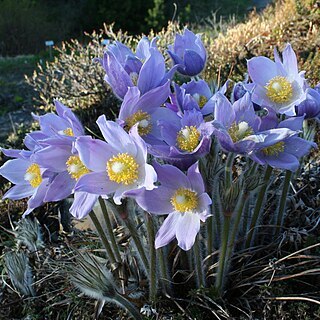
103,237
128,306
259,203
228,170
235,229
223,251
153,259
198,263
110,232
163,261
210,236
136,239
283,199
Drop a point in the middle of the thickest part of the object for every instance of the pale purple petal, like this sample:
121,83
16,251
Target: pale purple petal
195,178
37,199
298,146
94,153
19,191
283,161
82,204
96,183
61,187
187,228
223,111
290,61
261,70
129,105
14,170
167,231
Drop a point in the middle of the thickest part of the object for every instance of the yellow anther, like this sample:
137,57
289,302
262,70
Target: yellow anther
123,169
202,101
188,138
144,122
240,131
184,200
33,175
68,132
76,168
274,150
279,89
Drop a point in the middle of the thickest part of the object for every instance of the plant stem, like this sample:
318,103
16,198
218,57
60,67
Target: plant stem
198,262
223,251
228,170
259,203
103,237
283,199
110,232
153,259
235,230
128,306
209,236
165,277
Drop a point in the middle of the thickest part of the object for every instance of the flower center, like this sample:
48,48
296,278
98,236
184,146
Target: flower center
279,89
274,150
240,131
202,100
143,120
188,138
76,168
33,175
134,78
123,168
184,200
67,132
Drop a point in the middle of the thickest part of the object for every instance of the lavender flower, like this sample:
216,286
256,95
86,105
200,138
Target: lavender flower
117,166
30,179
183,198
188,53
146,70
282,151
279,85
311,106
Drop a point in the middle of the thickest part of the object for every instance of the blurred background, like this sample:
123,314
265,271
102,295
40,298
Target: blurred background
26,24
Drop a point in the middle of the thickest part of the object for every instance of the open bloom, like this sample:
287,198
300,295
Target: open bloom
281,151
183,198
278,84
30,179
188,53
186,137
116,166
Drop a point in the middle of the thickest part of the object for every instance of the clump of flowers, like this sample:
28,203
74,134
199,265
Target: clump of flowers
156,156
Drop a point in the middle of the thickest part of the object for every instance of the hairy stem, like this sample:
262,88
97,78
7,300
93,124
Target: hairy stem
228,170
110,232
128,306
283,200
198,263
259,203
222,256
103,237
153,259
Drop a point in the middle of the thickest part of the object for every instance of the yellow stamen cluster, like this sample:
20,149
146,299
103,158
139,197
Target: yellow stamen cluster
123,169
279,90
143,120
274,150
202,101
184,200
240,131
33,175
76,168
68,132
188,138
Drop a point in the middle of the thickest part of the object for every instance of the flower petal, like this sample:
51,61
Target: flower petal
61,187
19,191
14,170
82,204
167,231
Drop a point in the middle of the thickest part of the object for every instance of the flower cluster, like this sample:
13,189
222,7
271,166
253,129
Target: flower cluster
171,123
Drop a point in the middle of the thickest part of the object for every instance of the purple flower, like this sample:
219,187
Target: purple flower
278,84
145,111
117,166
188,53
311,106
183,198
282,151
233,124
146,70
30,179
187,138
